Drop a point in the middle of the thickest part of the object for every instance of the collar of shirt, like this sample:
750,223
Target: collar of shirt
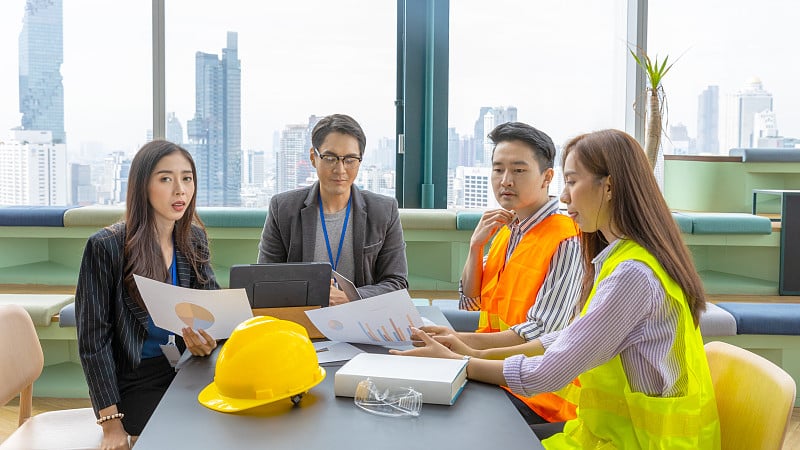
603,256
523,226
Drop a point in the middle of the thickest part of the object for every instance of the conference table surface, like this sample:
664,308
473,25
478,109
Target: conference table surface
482,416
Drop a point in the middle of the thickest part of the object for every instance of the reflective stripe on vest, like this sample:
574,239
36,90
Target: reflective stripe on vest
610,415
509,289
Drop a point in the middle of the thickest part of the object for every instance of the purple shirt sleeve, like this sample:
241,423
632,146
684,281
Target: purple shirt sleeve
621,305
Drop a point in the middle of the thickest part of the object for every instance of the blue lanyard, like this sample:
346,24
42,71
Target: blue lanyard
325,231
174,267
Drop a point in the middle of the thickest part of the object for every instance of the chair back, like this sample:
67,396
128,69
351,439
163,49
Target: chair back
754,397
21,358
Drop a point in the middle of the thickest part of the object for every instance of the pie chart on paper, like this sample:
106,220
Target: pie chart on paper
194,316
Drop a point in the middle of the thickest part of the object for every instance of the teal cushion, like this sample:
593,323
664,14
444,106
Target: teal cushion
684,222
468,220
214,217
729,223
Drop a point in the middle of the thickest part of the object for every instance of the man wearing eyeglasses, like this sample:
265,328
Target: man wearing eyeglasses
357,232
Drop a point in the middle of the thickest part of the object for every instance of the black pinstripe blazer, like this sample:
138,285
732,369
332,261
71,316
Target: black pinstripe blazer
112,327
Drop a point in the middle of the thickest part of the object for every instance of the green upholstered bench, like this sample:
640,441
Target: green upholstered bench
93,216
41,307
721,223
224,217
684,221
468,220
427,219
729,223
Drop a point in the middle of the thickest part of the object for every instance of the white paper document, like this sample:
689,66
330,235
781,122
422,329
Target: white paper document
382,320
174,308
328,351
346,286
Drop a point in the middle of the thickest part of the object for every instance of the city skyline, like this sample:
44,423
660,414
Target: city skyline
294,76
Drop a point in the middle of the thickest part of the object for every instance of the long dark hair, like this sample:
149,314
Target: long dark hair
142,252
638,211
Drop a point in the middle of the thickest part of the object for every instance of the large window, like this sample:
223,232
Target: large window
734,82
80,70
247,82
558,66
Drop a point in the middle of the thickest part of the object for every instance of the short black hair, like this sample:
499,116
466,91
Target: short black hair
544,151
338,123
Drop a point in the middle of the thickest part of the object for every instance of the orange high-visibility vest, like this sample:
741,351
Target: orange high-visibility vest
509,290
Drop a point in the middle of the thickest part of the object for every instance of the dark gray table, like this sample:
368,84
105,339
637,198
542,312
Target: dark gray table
323,421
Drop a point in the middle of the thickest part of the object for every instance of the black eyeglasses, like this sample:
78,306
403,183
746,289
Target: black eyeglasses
349,162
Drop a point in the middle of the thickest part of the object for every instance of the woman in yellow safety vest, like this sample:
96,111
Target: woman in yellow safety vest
636,346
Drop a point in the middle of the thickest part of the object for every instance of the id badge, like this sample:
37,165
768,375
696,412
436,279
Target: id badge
171,351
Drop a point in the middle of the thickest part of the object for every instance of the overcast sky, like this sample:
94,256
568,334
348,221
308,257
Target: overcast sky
558,62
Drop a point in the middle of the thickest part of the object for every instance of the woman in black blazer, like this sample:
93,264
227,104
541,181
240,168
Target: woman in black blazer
163,239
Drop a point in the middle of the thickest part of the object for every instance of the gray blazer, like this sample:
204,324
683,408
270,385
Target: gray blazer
380,259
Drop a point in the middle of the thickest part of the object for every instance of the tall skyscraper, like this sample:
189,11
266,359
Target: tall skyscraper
215,132
33,169
708,121
291,150
80,182
174,129
41,52
488,118
742,109
254,169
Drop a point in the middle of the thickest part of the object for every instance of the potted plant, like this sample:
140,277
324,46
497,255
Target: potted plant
656,101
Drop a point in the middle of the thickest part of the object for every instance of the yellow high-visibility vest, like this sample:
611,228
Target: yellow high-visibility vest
611,416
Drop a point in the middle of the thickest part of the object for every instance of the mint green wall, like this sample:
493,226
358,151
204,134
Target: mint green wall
721,186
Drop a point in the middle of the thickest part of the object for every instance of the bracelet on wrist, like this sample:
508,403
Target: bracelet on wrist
104,419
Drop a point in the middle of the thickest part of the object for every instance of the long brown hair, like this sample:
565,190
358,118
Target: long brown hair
142,252
638,211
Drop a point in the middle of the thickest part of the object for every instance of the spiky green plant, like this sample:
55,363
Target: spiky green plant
655,73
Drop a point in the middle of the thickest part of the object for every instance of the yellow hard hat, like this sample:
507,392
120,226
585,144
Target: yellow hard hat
265,360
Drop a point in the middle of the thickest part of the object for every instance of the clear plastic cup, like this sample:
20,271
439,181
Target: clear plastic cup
392,402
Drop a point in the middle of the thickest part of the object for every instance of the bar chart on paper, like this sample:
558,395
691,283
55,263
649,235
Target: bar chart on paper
385,320
384,333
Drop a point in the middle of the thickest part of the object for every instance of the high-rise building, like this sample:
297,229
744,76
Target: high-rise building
41,53
453,147
290,152
477,187
254,168
742,109
116,167
486,124
80,182
174,129
679,142
708,121
33,169
765,130
215,132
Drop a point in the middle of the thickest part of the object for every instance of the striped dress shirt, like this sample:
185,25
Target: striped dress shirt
555,302
112,327
629,316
